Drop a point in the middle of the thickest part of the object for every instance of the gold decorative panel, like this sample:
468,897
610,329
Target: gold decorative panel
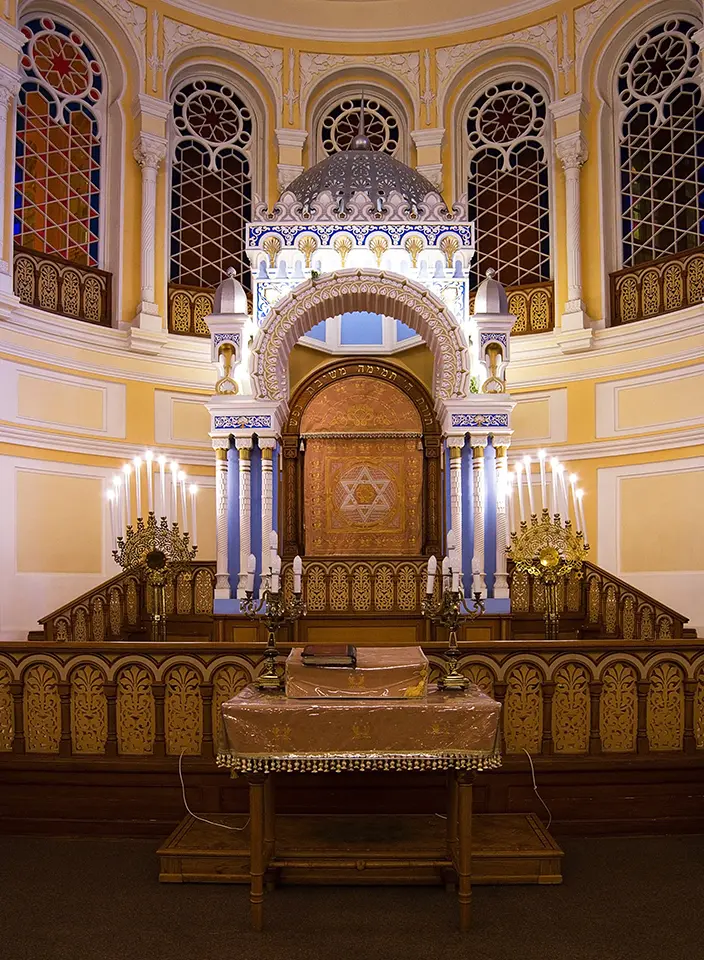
618,709
226,683
89,711
135,711
42,710
360,405
523,710
203,598
7,712
666,707
570,710
184,595
183,712
481,676
699,712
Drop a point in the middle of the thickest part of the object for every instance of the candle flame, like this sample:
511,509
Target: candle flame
111,494
573,478
148,455
193,489
162,461
174,466
542,454
116,480
127,469
526,460
519,468
137,463
182,476
580,494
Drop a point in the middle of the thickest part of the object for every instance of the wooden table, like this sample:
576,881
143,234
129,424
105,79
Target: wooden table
267,733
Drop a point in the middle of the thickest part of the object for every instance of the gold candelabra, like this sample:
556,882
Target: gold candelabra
274,612
449,611
548,551
160,552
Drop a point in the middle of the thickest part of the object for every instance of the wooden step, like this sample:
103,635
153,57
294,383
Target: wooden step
362,849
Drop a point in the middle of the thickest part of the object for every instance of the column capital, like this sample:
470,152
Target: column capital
9,87
267,443
571,151
454,441
290,137
243,443
220,443
150,150
478,441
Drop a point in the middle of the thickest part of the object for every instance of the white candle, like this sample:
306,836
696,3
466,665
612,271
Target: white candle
273,541
432,569
138,484
543,481
162,478
509,497
573,489
148,458
446,573
275,572
119,505
297,572
553,486
519,489
111,510
251,567
563,491
184,512
529,484
583,525
127,470
476,579
455,581
451,540
193,490
173,518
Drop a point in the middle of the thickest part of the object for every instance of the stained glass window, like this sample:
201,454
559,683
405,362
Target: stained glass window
661,134
58,148
341,124
509,187
211,198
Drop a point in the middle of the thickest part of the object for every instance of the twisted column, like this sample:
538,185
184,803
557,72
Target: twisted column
9,87
149,151
267,445
222,576
502,531
478,563
244,447
454,445
572,151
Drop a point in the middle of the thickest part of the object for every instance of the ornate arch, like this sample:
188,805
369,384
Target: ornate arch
345,291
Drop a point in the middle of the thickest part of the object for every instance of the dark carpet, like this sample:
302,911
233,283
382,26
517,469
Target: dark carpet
622,899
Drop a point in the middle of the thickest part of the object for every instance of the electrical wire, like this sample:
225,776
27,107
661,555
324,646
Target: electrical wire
213,823
535,789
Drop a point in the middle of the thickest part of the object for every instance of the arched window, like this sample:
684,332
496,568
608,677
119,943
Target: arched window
509,184
211,192
340,124
58,148
661,144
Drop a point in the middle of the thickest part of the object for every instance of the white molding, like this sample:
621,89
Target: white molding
557,417
607,402
164,419
624,446
113,400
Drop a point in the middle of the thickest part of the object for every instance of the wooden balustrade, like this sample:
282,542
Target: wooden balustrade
657,287
62,287
533,306
188,306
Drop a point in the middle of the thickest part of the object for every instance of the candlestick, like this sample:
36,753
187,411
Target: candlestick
148,458
297,572
432,569
583,525
553,486
529,484
174,492
138,484
184,512
162,478
111,511
543,481
519,490
193,490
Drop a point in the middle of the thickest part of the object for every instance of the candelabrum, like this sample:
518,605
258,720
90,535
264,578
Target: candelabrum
274,611
160,553
549,551
449,610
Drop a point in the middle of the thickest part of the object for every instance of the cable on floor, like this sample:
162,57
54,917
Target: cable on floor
213,823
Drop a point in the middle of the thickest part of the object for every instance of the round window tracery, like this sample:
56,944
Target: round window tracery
659,60
341,124
213,113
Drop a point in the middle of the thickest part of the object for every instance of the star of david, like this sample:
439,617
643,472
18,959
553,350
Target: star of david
365,495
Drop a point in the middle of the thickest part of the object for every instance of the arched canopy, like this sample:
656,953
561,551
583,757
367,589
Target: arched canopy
344,292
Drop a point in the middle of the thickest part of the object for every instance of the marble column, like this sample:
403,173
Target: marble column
501,590
244,449
149,152
267,446
478,563
9,87
572,152
454,445
222,577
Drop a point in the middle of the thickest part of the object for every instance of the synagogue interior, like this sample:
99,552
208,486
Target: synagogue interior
352,478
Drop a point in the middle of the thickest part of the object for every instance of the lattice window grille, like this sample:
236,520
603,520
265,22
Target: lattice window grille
341,123
58,143
508,183
660,121
211,187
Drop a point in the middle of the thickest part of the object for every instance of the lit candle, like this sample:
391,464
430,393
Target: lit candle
149,457
573,488
529,484
162,478
519,489
553,486
543,481
127,470
174,492
184,512
446,573
563,490
193,490
297,573
509,497
111,510
138,484
251,567
582,523
120,505
432,569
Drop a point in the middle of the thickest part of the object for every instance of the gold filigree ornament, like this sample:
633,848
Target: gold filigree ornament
378,246
548,551
272,248
449,245
493,383
226,383
414,246
343,244
307,244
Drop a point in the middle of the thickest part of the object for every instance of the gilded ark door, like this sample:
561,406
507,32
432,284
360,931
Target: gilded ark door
363,474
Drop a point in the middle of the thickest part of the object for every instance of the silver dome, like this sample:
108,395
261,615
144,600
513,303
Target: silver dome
230,296
491,296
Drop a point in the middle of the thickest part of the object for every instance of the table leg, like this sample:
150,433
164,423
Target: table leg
257,786
464,852
269,824
451,834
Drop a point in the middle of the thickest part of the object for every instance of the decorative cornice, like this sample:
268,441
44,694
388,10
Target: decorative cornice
586,22
567,106
404,66
428,137
11,36
133,18
291,137
149,106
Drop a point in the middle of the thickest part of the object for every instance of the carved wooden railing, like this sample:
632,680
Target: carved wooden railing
187,308
155,700
658,286
58,286
533,306
361,587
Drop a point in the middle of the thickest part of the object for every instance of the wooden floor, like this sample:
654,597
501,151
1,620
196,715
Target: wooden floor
363,849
